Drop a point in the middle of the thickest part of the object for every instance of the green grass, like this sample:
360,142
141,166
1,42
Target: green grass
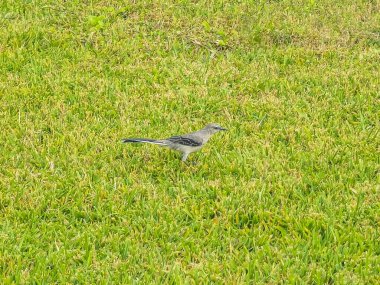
290,195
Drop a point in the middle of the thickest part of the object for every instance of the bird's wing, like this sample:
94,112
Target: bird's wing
185,140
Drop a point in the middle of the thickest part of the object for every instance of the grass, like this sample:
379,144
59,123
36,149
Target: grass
290,195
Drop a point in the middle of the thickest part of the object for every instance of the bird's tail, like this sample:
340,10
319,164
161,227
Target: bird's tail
138,140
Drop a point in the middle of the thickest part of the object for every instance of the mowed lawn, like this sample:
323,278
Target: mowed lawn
289,195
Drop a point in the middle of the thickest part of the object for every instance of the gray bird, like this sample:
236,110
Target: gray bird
186,144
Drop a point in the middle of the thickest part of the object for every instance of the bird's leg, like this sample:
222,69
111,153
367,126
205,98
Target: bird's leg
184,156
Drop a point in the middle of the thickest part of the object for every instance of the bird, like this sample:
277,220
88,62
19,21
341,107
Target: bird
185,144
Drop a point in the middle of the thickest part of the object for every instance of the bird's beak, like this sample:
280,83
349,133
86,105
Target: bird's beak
222,129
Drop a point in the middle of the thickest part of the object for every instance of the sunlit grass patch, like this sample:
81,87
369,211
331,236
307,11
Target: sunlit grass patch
289,194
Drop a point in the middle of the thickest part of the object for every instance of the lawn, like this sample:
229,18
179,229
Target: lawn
289,195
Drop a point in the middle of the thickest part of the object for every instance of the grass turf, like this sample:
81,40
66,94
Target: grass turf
289,195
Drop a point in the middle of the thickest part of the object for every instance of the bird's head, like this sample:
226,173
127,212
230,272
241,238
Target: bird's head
214,128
